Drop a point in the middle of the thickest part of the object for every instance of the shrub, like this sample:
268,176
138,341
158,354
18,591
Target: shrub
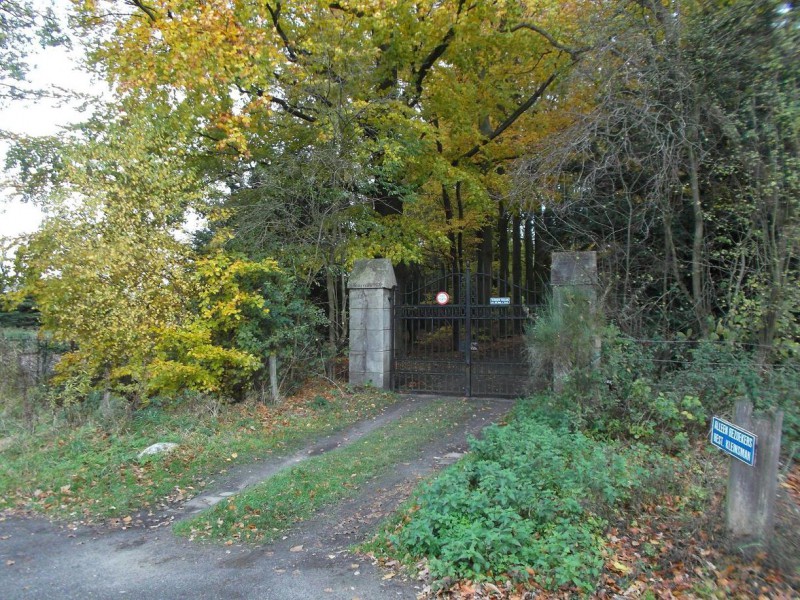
664,392
563,339
532,495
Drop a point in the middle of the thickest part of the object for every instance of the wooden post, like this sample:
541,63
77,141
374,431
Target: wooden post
752,490
273,377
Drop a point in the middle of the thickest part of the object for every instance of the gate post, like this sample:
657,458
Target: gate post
571,273
370,295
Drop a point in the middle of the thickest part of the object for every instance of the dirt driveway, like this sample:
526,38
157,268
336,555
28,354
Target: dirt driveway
42,560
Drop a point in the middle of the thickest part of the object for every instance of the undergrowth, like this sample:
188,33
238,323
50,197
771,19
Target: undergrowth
531,501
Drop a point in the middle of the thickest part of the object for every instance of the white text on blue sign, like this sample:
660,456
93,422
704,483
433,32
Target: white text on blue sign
733,440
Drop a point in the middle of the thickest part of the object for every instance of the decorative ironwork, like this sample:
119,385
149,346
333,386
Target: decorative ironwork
469,347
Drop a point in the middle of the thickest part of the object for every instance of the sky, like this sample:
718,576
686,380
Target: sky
50,67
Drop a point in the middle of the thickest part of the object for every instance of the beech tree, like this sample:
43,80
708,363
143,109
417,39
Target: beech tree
428,99
24,25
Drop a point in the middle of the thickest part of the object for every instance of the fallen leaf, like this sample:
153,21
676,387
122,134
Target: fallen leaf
388,576
296,548
9,563
620,568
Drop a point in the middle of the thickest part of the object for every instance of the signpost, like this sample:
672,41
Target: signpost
752,484
501,301
733,440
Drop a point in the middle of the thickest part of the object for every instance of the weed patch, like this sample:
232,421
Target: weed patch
531,502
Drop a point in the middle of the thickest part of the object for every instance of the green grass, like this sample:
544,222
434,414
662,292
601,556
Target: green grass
264,511
91,471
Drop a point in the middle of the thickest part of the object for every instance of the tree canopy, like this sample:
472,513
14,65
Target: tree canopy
309,134
24,24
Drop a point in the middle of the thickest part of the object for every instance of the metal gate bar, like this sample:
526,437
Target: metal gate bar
463,348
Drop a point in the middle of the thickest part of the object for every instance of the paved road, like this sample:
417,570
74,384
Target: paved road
41,560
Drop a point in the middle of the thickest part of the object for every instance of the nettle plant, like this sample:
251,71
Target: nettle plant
530,501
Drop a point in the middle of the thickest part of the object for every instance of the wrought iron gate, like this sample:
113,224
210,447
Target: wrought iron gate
473,344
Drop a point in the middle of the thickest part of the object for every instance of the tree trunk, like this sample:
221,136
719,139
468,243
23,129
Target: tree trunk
273,377
502,248
516,264
698,297
529,259
485,259
541,258
516,257
333,307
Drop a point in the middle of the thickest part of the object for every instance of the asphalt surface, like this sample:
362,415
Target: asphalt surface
44,560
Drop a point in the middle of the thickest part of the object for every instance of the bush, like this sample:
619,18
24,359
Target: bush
562,340
532,495
665,391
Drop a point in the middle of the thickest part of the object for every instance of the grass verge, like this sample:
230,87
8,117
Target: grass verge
92,471
264,511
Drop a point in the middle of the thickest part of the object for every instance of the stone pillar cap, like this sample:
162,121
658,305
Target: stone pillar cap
372,274
573,268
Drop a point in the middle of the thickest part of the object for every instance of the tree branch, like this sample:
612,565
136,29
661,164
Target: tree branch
573,52
292,110
431,59
344,9
148,10
510,120
275,14
428,63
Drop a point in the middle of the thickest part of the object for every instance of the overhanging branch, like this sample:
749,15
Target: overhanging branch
148,10
573,52
510,120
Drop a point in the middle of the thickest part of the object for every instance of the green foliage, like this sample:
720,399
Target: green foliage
246,311
144,313
531,495
562,341
263,512
105,269
24,315
664,392
24,24
78,463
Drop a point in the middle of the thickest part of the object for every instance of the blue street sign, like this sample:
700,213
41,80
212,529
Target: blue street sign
734,440
501,301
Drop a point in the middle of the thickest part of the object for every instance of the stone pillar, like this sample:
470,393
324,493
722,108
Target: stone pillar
370,289
573,273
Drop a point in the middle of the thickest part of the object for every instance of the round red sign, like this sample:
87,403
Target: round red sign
442,298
